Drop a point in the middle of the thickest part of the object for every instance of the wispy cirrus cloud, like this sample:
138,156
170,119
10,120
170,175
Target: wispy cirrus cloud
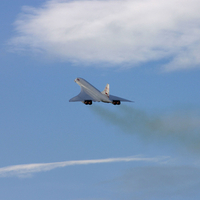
28,169
114,32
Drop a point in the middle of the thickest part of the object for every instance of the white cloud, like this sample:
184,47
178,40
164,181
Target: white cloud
116,32
28,169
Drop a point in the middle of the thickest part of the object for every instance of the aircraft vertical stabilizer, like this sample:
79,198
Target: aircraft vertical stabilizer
106,90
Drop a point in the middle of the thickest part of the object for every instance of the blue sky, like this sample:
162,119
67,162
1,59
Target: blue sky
148,52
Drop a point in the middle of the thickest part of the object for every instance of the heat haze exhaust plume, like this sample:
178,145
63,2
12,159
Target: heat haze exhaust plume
181,126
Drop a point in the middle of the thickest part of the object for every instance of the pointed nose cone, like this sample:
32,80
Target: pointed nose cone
76,80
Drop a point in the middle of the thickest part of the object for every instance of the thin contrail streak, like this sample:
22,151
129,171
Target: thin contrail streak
28,169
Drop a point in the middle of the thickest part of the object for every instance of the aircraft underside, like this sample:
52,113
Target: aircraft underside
89,102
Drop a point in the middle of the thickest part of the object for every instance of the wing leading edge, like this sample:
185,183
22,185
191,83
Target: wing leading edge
115,98
82,96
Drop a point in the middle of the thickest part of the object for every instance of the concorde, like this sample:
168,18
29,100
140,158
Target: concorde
89,94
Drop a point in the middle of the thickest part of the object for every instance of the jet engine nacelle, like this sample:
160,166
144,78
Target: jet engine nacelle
116,102
88,102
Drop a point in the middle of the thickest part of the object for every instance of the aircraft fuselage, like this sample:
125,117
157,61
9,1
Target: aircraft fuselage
92,91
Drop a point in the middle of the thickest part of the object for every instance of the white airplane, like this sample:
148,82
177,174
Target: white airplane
89,94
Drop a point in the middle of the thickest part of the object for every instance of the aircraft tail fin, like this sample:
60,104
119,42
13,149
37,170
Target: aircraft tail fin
106,90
